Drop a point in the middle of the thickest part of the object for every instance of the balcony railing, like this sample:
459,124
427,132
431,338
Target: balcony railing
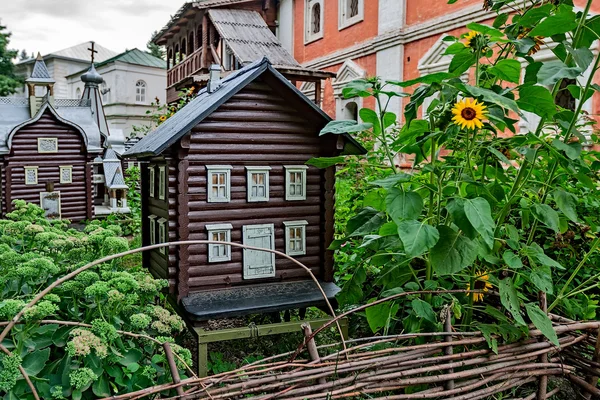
185,68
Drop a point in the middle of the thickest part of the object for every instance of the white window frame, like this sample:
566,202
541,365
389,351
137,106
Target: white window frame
289,225
309,36
163,235
152,179
218,169
218,229
140,92
152,219
66,168
55,140
162,178
27,181
343,20
247,266
257,170
291,169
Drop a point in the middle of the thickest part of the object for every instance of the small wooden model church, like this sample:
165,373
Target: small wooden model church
51,151
231,166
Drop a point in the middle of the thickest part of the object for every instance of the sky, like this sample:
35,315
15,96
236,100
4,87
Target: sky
51,25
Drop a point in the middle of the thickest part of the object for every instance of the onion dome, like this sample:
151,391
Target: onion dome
92,76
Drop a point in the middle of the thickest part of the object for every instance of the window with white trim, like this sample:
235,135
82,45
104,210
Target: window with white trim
31,175
219,183
140,92
295,237
313,20
47,145
162,177
258,183
295,182
350,12
218,252
152,180
162,235
66,174
152,228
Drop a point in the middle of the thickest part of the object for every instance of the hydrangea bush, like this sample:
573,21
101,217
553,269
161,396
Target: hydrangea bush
94,359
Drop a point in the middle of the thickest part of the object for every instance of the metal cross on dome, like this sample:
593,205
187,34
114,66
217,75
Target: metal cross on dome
93,50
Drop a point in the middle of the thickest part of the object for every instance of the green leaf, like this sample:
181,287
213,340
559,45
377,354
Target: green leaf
493,97
590,32
479,213
132,356
536,252
538,100
535,15
423,310
357,88
352,292
500,156
500,20
454,48
461,62
366,221
371,117
34,362
344,126
551,72
510,299
566,203
380,315
541,321
546,215
542,279
101,387
456,208
563,21
403,205
453,252
508,70
325,162
512,260
391,181
486,30
573,150
582,56
417,237
428,79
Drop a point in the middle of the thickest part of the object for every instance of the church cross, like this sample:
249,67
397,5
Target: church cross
92,50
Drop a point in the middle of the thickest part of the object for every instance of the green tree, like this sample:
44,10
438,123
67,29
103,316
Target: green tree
23,55
9,82
154,49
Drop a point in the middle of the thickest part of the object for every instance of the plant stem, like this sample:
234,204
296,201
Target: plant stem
383,139
560,294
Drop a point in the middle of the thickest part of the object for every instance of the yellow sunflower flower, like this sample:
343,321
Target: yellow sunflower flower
482,282
469,39
469,113
163,118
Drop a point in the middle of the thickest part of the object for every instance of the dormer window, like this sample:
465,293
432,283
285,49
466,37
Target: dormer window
295,182
219,183
140,92
218,252
313,20
258,183
350,12
295,237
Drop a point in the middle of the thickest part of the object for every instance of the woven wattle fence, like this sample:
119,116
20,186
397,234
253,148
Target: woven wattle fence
453,365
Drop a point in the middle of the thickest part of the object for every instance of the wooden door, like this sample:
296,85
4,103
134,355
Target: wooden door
259,264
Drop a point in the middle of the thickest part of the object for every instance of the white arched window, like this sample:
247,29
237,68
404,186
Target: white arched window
140,92
78,93
313,20
350,12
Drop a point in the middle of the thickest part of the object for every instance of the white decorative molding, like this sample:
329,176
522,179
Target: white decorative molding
348,72
434,60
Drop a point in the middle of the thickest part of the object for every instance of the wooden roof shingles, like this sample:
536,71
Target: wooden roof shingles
205,103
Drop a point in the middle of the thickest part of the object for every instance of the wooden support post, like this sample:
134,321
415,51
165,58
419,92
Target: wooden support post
318,93
593,379
312,348
204,56
543,381
172,367
448,339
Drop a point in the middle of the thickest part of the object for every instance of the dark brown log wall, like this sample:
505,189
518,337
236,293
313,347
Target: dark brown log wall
76,197
257,127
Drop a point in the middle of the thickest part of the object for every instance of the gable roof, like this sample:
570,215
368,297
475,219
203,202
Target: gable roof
40,73
249,37
174,128
78,52
137,57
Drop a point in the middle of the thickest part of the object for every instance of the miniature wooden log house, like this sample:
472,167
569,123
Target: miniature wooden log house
231,166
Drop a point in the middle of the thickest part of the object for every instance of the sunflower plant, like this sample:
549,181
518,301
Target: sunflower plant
484,204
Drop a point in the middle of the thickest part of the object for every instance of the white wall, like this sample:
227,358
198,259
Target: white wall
391,15
285,29
389,67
